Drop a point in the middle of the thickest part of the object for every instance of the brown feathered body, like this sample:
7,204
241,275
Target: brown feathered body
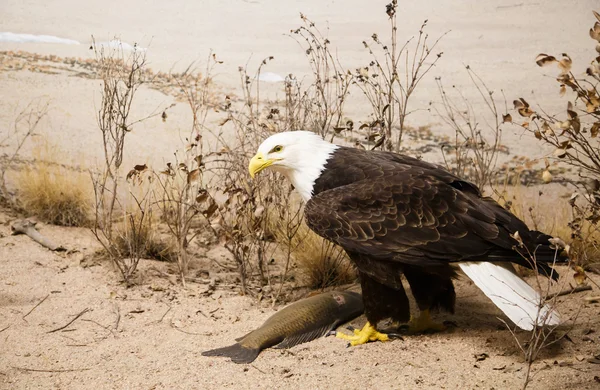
300,322
396,215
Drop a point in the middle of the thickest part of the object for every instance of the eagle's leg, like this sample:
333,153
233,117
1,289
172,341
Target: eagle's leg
424,323
381,301
363,336
431,291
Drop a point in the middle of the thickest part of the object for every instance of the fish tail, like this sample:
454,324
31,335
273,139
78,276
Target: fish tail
237,352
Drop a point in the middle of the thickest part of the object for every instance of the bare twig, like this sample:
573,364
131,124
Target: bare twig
477,142
33,308
258,369
164,315
391,78
569,291
70,322
28,228
188,332
100,325
50,370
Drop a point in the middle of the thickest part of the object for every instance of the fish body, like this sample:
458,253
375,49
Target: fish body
300,322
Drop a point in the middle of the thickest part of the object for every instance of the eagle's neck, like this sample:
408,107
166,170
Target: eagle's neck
309,169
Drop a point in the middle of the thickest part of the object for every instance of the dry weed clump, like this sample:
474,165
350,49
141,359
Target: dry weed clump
258,217
122,77
137,237
241,211
55,194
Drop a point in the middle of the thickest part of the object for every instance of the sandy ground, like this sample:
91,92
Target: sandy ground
151,336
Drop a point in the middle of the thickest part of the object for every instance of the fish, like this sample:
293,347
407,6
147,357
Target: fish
297,323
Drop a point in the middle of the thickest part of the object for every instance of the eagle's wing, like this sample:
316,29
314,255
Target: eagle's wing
415,219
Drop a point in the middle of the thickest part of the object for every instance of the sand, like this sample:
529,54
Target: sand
151,335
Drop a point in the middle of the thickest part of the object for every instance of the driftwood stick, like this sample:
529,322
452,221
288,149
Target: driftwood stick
33,308
49,370
70,322
27,227
570,291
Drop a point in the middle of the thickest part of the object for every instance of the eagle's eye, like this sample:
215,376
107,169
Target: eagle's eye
276,149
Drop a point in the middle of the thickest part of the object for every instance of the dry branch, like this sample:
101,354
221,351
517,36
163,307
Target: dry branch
33,308
49,370
164,315
28,228
70,322
570,291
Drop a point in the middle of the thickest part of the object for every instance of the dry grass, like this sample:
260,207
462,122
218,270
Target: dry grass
24,127
320,264
55,194
140,238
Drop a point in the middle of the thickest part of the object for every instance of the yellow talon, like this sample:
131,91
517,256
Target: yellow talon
366,334
423,323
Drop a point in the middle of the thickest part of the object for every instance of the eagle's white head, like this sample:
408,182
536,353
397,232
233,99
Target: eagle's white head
299,155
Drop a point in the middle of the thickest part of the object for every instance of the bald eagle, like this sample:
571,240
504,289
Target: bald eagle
395,215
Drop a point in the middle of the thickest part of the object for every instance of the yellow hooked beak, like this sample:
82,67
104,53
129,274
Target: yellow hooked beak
258,163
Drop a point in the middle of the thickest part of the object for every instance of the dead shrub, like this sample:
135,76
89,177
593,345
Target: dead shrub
574,136
474,152
182,193
389,80
319,105
122,76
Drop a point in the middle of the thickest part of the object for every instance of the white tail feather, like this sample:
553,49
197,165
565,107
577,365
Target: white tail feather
518,300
